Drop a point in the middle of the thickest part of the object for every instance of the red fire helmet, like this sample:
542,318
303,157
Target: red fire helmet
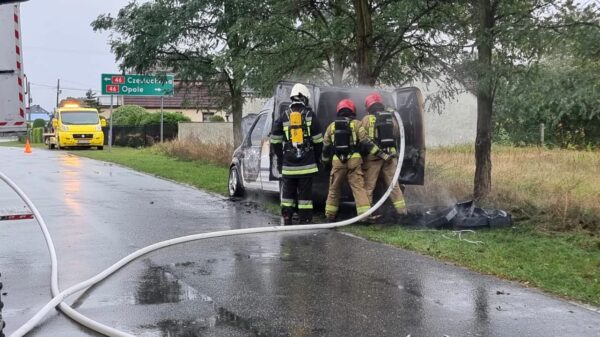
373,99
346,103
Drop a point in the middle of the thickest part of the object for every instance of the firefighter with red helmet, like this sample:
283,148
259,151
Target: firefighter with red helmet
297,141
382,128
341,145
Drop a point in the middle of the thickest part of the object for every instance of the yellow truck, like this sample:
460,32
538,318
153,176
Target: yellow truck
75,126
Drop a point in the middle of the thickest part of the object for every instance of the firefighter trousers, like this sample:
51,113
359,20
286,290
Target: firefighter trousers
297,193
373,168
352,171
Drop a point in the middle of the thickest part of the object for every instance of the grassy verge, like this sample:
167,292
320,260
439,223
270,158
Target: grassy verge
199,174
552,246
19,144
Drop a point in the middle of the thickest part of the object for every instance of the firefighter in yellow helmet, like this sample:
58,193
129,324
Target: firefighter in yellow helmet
383,129
341,143
297,141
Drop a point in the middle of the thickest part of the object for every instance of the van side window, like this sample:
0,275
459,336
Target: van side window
257,131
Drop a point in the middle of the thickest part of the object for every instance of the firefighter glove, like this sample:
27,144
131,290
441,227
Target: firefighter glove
384,156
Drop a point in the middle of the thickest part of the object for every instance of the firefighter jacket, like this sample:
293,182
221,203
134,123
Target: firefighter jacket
359,140
297,161
368,123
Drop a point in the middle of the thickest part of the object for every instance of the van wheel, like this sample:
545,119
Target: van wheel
235,183
100,148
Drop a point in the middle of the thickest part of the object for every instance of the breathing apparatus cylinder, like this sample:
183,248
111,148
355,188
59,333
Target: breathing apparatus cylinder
297,134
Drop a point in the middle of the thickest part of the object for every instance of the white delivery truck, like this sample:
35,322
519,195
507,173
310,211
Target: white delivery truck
12,84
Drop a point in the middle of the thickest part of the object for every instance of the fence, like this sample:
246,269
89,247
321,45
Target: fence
140,136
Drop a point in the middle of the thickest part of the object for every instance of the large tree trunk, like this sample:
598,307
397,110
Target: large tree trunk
338,70
364,33
237,104
485,100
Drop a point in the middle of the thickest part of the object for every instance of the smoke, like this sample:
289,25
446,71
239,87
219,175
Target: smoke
421,198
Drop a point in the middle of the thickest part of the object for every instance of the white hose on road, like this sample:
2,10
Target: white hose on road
59,296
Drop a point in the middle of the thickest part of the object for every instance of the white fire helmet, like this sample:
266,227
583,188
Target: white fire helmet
298,91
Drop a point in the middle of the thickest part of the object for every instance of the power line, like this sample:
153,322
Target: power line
62,88
76,83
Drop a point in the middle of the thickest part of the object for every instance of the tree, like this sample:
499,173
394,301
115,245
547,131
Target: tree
560,91
90,100
508,35
38,123
196,39
355,42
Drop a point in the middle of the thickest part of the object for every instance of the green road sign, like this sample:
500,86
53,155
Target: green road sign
136,85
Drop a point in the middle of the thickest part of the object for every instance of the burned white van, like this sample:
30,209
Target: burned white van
254,167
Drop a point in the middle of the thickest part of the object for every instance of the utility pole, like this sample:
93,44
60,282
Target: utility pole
57,92
110,131
162,101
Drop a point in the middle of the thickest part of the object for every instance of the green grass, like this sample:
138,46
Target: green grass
567,265
19,144
199,174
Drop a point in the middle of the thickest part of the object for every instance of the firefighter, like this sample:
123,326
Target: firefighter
343,140
297,142
383,129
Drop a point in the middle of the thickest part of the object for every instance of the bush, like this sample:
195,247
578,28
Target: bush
135,115
129,115
39,123
216,118
37,135
135,141
168,118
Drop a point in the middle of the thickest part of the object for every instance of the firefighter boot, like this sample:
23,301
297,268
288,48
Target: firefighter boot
286,220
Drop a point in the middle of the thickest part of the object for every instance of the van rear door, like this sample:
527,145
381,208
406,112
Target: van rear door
409,103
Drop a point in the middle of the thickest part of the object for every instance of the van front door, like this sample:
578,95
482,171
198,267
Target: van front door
252,150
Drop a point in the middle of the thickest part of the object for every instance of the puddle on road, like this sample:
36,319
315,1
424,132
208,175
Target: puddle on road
222,320
157,286
172,328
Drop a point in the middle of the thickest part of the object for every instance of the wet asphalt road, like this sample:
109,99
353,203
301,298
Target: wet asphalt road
318,283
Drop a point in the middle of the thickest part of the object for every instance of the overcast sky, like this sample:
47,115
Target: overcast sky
58,42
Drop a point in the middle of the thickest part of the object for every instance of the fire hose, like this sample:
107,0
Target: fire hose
60,296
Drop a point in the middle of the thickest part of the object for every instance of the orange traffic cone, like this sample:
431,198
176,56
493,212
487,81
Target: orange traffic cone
27,147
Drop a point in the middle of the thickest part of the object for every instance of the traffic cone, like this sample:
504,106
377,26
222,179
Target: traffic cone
27,146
